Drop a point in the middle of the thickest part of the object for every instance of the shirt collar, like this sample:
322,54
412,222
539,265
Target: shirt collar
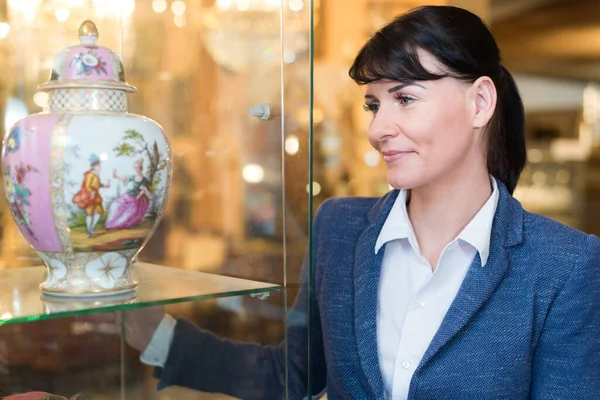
397,224
477,233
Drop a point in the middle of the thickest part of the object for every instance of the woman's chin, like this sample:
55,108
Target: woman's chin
402,184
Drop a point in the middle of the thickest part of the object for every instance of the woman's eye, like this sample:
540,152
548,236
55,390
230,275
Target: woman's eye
371,107
404,100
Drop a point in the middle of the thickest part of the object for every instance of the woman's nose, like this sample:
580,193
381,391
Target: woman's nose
382,128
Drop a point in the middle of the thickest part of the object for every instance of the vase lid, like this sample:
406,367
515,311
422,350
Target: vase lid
87,65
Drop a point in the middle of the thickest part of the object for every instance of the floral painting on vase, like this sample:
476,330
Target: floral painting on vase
16,187
88,63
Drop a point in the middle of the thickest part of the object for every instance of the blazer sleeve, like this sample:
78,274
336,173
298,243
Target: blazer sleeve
566,362
202,361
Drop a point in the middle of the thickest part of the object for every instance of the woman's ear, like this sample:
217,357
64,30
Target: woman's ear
485,97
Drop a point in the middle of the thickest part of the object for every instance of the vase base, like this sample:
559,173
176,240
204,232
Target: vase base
83,275
91,295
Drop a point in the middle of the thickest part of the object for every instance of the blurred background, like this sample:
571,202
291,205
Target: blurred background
239,203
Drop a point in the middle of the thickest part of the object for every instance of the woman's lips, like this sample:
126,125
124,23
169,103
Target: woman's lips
395,155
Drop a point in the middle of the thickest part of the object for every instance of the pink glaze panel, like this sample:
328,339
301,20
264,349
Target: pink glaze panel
35,151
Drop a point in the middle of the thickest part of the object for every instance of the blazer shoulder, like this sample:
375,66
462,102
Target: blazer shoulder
559,244
340,209
544,229
339,221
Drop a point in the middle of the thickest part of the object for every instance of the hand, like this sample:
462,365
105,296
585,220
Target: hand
92,195
146,192
138,327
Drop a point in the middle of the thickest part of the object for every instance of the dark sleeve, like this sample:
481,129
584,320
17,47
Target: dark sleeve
566,362
202,361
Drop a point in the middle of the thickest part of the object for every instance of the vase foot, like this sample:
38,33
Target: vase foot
90,295
88,274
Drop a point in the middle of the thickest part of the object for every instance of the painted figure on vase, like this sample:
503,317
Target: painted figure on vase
88,198
129,209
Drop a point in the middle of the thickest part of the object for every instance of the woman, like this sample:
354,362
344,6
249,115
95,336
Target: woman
129,209
445,288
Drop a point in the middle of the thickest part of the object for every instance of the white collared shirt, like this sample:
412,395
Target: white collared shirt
413,300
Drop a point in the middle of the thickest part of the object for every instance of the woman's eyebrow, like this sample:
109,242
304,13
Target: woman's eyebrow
396,88
403,85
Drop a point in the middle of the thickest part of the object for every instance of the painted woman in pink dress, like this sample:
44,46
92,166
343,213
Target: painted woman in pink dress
128,210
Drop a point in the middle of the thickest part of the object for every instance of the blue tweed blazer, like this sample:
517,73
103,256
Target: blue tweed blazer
525,326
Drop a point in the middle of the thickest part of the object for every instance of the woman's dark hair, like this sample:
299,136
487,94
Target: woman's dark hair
463,44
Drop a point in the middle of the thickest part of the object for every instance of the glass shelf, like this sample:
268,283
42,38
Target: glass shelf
21,299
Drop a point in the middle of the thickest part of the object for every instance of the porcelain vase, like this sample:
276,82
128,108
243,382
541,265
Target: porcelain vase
86,181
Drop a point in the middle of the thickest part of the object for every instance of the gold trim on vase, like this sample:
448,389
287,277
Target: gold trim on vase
87,99
57,181
90,292
57,84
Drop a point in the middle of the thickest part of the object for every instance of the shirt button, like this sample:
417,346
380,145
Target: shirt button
405,364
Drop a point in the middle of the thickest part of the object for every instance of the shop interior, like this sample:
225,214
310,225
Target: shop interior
244,189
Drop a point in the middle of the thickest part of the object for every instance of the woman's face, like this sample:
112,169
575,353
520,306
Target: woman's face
424,129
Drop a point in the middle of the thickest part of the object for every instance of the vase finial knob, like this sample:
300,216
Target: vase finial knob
88,33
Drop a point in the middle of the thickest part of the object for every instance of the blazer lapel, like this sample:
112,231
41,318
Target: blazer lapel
367,269
481,282
478,286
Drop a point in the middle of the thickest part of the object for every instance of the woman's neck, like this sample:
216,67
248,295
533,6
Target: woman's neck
440,211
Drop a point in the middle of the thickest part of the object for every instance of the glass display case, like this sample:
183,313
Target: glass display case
230,83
